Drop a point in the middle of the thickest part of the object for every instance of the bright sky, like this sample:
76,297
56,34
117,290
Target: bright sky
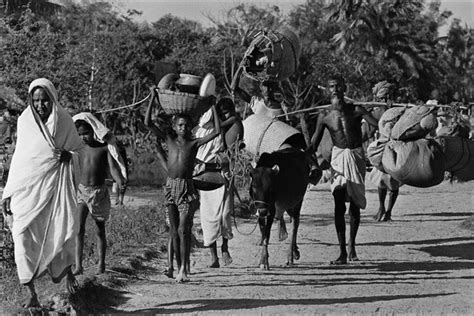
197,10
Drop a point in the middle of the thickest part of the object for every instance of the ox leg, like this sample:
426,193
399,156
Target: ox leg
294,253
265,224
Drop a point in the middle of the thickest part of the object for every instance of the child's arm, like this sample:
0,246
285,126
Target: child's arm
215,133
115,172
148,121
231,120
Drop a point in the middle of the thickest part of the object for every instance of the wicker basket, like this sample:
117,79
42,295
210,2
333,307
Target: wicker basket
174,102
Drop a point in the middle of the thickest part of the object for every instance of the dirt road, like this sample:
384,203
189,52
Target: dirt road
421,262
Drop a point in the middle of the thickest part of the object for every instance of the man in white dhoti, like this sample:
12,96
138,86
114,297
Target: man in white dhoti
343,121
40,193
217,205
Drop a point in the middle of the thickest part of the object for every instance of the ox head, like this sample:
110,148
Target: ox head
262,188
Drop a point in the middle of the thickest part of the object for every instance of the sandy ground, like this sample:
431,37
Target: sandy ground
421,262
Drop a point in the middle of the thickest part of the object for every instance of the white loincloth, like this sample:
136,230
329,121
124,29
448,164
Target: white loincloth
348,170
102,135
216,214
42,192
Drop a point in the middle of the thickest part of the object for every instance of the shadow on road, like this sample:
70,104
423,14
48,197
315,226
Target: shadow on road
192,306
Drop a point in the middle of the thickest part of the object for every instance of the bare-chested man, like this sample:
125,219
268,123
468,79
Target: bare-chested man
181,196
93,194
343,121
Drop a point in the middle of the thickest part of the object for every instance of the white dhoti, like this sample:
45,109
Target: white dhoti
215,205
348,171
216,209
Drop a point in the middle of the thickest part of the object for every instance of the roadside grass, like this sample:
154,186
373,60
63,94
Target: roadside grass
136,237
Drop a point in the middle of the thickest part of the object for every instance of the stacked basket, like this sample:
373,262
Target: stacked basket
186,94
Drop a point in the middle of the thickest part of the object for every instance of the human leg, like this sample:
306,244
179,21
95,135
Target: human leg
214,257
173,240
101,245
32,299
382,194
83,212
392,198
339,195
169,270
184,238
354,213
225,252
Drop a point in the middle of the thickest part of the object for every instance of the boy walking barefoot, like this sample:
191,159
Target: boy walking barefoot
182,198
93,195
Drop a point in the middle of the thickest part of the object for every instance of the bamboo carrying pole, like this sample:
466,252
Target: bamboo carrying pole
369,104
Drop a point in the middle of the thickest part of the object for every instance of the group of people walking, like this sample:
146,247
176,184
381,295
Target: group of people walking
49,213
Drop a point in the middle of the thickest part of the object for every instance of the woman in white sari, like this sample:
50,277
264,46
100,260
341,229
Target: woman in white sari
40,192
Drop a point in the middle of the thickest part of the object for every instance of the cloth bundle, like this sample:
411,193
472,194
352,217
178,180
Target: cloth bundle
402,150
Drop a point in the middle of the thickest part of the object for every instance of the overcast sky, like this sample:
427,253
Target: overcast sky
197,10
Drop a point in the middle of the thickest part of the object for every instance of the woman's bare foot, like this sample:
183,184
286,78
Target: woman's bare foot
31,301
226,258
71,283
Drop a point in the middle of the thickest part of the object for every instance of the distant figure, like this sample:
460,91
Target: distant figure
383,92
182,198
120,191
343,121
40,192
93,194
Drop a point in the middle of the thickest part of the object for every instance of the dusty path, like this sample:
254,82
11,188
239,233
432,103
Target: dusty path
422,262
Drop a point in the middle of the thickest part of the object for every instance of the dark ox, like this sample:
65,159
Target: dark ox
279,184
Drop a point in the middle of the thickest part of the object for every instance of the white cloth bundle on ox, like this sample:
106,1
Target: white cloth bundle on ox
215,205
102,134
42,191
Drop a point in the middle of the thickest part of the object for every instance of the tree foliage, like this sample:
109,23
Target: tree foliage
365,40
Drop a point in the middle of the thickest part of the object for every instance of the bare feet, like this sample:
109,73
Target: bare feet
353,255
387,217
71,283
168,272
78,270
182,277
341,260
226,258
31,301
215,264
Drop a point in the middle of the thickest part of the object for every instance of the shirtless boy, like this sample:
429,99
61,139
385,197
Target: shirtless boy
93,195
343,121
182,198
